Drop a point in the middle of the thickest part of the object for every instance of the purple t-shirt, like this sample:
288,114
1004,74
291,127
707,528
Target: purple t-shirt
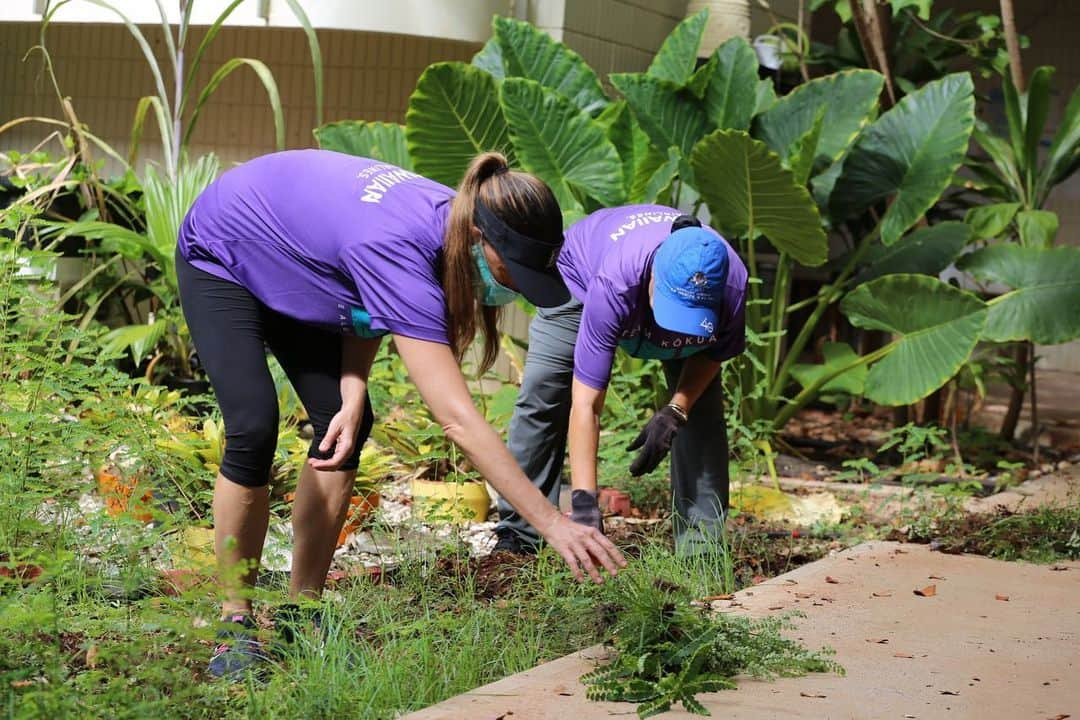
606,262
348,244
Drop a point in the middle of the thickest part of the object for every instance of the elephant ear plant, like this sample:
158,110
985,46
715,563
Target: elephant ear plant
1019,233
777,176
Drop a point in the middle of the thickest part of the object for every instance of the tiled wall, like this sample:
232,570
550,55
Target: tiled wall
368,75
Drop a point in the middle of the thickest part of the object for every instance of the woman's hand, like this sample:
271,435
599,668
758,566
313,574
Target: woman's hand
340,436
583,547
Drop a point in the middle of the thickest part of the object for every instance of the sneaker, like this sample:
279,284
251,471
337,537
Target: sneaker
292,621
510,542
239,650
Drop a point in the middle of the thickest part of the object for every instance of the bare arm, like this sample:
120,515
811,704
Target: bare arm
584,438
437,376
357,354
697,374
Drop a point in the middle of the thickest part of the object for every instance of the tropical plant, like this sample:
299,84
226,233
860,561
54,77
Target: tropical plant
924,44
774,174
1020,232
164,336
177,115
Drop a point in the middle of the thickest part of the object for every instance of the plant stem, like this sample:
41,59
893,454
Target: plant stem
826,296
1016,397
1034,406
777,313
1012,43
810,391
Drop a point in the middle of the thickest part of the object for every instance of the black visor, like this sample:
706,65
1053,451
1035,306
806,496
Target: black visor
531,261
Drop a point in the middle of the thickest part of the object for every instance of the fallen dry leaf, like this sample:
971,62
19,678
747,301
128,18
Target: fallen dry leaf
725,596
949,692
1003,598
903,655
804,596
92,653
811,695
1063,716
935,577
879,641
928,591
898,551
831,580
1059,568
789,581
758,579
828,599
505,715
776,607
883,594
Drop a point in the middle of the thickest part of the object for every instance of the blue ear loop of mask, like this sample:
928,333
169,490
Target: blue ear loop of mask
494,293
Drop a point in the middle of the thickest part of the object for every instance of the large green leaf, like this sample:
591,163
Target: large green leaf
1037,228
731,96
625,133
1042,305
764,96
652,183
490,59
1036,112
804,151
1063,158
670,115
936,328
453,115
836,357
989,222
377,140
561,144
677,56
849,99
531,53
927,251
910,154
748,191
140,340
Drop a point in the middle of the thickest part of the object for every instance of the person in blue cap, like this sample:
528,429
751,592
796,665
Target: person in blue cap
661,286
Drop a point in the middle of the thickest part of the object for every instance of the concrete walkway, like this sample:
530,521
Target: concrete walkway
994,640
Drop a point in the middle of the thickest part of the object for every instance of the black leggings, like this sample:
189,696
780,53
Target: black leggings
231,329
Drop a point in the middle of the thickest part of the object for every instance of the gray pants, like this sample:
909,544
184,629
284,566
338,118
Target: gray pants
538,429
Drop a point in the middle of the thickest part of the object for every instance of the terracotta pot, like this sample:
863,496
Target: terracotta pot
449,502
360,508
118,491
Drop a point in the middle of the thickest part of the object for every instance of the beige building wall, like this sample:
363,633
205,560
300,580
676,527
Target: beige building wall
367,75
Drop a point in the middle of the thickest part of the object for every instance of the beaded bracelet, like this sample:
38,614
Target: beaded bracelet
679,412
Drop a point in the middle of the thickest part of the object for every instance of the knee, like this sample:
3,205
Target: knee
250,443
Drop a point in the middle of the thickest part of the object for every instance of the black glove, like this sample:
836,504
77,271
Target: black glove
584,510
655,439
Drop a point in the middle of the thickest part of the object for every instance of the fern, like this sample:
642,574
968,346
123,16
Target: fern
668,651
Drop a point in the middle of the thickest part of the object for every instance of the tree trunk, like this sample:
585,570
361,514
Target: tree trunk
1012,43
1021,353
871,32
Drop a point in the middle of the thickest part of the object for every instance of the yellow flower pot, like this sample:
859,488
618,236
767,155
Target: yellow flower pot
449,502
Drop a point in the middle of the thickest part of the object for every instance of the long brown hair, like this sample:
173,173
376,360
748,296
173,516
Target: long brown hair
523,202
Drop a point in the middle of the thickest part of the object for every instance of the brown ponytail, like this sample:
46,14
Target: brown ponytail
523,202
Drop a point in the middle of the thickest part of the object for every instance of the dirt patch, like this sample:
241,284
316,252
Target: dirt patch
1045,535
492,577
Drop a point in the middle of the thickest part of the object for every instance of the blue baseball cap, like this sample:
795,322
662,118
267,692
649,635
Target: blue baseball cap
690,271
